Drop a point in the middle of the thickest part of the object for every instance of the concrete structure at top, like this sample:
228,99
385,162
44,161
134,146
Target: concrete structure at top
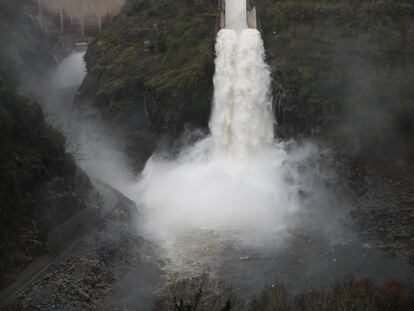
251,15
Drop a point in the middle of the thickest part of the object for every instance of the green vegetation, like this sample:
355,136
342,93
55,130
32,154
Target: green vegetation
343,70
40,184
197,294
348,69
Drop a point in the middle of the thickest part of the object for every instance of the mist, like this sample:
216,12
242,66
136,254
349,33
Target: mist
260,195
375,121
96,148
239,197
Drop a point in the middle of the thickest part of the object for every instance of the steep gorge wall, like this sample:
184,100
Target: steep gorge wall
23,43
40,184
342,71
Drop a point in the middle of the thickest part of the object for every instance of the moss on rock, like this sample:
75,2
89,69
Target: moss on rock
154,60
347,67
342,70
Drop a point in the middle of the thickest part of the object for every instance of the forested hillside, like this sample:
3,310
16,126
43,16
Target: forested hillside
342,71
347,68
150,70
123,210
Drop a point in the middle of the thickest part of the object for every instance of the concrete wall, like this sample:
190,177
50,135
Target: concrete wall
251,15
252,18
84,15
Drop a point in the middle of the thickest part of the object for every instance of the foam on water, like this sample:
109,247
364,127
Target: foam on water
238,179
241,122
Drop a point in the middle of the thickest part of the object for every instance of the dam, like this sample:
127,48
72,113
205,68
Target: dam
83,17
231,16
74,22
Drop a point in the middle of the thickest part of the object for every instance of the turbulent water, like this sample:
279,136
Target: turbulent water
242,205
238,183
235,178
236,16
241,123
239,203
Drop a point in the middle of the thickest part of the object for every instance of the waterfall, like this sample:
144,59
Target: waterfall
241,122
237,178
237,191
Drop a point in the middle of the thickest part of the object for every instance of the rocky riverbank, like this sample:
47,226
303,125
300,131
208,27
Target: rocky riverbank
87,274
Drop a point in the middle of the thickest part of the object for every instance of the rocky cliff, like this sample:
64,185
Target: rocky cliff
150,70
40,184
346,68
342,71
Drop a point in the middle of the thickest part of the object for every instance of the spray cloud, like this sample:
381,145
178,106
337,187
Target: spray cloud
239,178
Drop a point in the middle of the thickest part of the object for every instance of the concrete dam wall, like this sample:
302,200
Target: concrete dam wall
77,17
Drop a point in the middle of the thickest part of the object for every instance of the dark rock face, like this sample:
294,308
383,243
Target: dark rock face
150,70
346,70
40,184
341,70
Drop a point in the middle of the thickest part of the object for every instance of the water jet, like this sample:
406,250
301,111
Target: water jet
229,16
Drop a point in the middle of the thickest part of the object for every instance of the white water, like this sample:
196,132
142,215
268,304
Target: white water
91,143
238,179
238,193
241,123
236,15
236,185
